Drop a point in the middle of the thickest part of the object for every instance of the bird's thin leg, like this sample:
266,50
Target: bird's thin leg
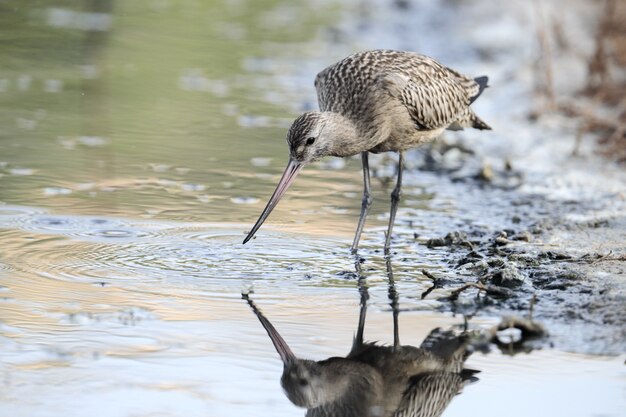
365,203
358,337
395,308
395,199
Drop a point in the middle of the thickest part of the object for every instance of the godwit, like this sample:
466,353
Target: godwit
378,101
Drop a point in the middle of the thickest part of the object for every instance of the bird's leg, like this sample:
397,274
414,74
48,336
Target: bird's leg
365,203
395,308
358,337
395,199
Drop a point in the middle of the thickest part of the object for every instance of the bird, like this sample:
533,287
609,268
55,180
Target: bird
376,380
378,101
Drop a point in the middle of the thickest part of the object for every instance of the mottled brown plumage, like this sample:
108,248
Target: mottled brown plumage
397,99
378,101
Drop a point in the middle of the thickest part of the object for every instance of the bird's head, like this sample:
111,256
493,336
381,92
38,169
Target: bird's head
312,136
307,143
303,383
307,138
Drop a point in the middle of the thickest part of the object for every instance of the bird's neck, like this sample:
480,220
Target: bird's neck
344,136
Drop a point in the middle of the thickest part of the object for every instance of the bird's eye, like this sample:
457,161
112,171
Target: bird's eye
303,382
310,141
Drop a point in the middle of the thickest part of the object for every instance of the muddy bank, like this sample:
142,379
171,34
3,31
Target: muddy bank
505,251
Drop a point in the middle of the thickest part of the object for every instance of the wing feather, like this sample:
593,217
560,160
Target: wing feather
432,102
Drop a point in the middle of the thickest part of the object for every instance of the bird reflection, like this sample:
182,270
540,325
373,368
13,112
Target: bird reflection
376,380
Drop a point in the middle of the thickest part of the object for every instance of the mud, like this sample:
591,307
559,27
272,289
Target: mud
563,259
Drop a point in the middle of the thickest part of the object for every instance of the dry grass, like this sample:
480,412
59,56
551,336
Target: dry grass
606,84
603,113
606,80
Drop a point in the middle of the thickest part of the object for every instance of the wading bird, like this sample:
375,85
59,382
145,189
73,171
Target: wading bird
378,101
375,380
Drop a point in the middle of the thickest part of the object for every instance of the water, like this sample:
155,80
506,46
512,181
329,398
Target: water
138,142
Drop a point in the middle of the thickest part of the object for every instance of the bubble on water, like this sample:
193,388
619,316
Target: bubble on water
115,233
71,19
68,144
23,82
230,31
129,316
92,140
230,109
182,170
261,162
52,86
244,200
193,79
161,5
335,210
27,124
56,191
21,171
166,183
52,221
85,186
251,121
263,176
256,64
89,72
192,187
204,198
160,167
333,163
219,88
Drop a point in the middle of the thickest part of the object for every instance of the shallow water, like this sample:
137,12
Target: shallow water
138,143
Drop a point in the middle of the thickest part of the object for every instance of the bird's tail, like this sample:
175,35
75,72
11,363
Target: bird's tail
482,84
469,375
468,119
477,123
445,344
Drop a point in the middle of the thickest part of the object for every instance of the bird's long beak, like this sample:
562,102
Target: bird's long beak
279,343
290,174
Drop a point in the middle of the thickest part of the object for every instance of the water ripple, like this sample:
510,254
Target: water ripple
105,250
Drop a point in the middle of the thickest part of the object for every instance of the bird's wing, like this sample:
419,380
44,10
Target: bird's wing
429,394
323,93
433,99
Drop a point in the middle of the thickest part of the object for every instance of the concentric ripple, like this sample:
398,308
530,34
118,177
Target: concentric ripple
105,249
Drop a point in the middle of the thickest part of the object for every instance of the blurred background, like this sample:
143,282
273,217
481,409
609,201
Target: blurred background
140,139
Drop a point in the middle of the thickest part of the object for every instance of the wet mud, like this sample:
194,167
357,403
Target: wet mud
563,262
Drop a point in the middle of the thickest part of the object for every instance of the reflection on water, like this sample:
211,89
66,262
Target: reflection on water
106,310
138,141
375,380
